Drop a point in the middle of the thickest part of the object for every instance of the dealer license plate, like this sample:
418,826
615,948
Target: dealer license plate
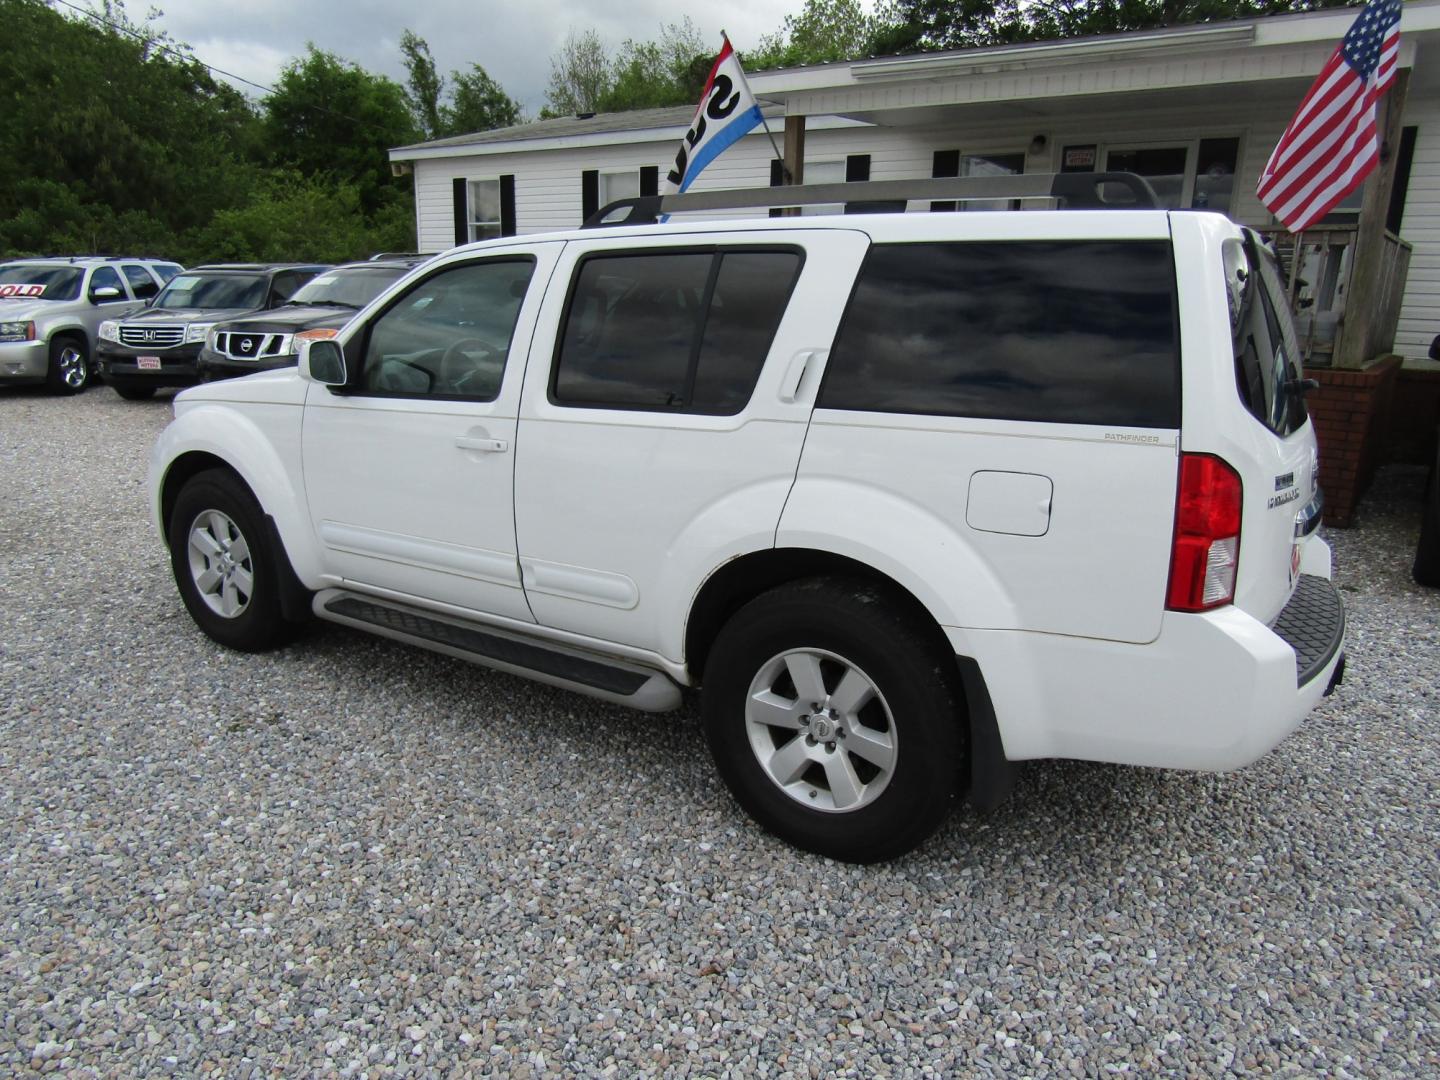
149,363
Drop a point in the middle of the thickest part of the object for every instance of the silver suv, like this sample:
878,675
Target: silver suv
50,310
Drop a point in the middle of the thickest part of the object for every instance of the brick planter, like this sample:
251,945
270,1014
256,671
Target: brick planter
1349,411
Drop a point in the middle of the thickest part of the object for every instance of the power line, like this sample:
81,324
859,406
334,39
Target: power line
157,44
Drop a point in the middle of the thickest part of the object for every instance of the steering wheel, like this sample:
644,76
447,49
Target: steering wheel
458,367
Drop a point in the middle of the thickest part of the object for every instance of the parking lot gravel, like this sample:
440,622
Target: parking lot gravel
354,858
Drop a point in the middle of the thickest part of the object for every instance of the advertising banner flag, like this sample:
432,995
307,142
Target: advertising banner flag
727,111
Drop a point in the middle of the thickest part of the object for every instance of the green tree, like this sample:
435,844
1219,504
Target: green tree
824,31
329,117
579,76
654,74
289,217
957,24
113,135
423,83
477,103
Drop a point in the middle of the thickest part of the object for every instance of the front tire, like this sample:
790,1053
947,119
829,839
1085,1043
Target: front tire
835,719
225,568
69,370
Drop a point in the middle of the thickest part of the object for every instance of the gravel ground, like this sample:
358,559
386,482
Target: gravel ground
354,858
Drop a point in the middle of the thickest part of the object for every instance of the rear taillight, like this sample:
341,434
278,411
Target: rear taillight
1207,535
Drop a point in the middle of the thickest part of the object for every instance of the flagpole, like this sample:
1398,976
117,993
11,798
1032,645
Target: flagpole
763,122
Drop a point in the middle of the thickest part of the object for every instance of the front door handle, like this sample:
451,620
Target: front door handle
485,446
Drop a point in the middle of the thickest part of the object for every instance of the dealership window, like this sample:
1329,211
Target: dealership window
824,172
1215,174
1198,173
1163,166
992,165
953,163
485,221
620,184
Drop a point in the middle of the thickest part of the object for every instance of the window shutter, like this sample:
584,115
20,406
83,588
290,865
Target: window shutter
462,211
507,205
589,194
857,171
946,163
649,180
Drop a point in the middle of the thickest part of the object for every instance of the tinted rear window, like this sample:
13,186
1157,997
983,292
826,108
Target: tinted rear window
1078,332
682,330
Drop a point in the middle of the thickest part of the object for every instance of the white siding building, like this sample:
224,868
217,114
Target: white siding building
1197,109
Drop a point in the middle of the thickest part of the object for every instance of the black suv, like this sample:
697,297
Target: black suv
262,341
160,346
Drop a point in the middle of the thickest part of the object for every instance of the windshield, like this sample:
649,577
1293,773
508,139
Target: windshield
40,282
354,287
212,291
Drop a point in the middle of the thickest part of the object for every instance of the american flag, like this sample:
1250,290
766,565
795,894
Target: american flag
1332,143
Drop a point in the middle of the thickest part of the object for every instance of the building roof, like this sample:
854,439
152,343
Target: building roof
565,127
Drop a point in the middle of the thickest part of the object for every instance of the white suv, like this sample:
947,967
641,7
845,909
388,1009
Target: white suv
910,496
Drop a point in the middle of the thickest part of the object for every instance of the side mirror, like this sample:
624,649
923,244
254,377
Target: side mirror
322,362
1435,349
105,294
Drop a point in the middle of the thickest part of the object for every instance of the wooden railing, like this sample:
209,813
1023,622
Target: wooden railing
1317,268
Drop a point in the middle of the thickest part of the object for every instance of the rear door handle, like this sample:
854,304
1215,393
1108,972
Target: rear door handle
795,373
485,446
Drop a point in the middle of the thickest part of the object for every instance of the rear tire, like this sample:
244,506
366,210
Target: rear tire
835,719
1427,551
69,370
131,391
226,569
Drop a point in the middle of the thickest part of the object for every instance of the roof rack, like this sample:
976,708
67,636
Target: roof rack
1073,191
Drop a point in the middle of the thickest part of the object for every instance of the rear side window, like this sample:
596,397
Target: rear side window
1076,332
141,283
686,331
1267,354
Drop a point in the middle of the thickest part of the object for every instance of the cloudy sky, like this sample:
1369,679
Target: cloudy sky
512,40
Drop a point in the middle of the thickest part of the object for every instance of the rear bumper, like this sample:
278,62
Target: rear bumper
1214,691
